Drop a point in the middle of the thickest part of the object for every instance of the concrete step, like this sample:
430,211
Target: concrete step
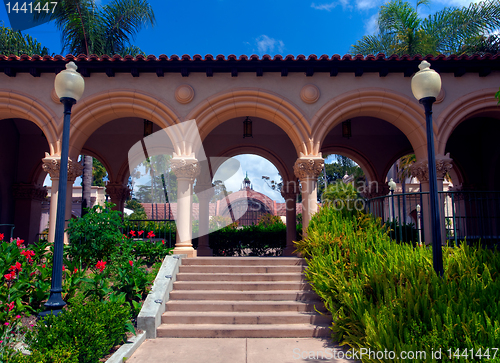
240,269
242,330
241,285
240,277
223,317
244,261
276,295
244,306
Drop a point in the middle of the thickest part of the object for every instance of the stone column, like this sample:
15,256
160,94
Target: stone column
420,170
186,169
118,193
443,166
307,169
28,202
290,192
51,165
205,193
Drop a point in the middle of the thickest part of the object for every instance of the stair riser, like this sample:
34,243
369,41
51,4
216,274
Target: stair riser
244,308
241,269
189,295
263,286
208,333
240,277
291,319
246,261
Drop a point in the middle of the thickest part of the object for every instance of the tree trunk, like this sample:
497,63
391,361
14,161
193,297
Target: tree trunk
86,183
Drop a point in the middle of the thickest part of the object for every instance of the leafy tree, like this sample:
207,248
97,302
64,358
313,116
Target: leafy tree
89,28
335,171
13,42
220,191
139,212
449,31
98,173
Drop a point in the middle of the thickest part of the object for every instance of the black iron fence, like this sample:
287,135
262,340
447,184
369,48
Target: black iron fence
466,215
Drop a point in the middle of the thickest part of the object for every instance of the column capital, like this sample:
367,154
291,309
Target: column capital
308,167
420,169
443,165
52,165
186,168
75,169
117,191
29,191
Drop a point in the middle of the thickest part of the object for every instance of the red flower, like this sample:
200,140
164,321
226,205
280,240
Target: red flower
131,263
140,232
132,233
1,236
150,234
75,270
10,276
100,265
11,306
28,254
43,265
16,268
63,267
163,241
31,274
19,242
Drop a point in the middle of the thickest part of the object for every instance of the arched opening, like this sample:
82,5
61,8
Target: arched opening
22,145
476,201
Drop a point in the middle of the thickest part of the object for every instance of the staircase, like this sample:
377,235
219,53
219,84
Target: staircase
243,297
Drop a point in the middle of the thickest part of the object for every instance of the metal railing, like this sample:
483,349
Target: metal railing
466,215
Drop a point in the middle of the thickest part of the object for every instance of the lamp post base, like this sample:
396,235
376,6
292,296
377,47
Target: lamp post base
54,305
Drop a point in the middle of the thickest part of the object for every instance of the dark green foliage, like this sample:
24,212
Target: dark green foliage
96,235
139,212
87,331
385,295
13,42
405,233
256,240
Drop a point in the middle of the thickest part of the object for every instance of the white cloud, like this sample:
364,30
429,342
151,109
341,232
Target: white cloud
266,44
371,24
367,4
327,7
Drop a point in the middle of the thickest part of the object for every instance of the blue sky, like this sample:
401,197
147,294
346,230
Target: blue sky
250,27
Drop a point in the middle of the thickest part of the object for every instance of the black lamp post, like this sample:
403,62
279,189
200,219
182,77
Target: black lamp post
69,86
426,85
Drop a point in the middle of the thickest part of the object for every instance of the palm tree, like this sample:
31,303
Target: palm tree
89,29
13,42
449,31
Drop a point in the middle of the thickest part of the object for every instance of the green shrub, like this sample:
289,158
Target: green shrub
384,295
256,240
96,235
87,331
